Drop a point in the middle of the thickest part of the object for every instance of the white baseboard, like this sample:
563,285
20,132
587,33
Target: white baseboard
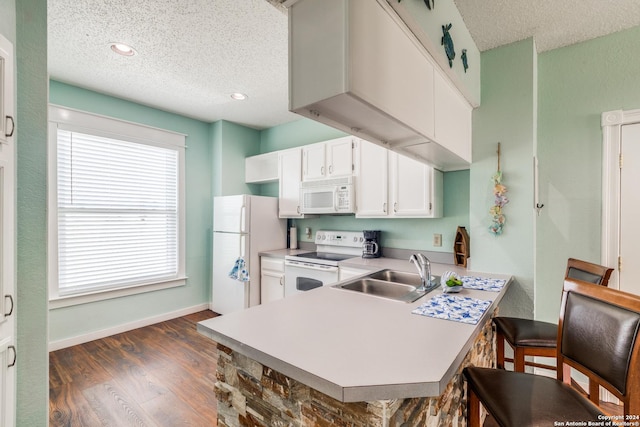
81,339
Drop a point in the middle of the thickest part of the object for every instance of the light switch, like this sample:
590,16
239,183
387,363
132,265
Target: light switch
437,240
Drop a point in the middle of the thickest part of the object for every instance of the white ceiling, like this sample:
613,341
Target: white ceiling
553,23
192,54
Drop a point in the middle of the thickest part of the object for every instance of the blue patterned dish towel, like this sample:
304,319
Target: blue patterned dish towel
456,308
239,271
482,283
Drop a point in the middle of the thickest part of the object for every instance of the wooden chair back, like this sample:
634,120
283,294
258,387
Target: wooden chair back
598,335
588,272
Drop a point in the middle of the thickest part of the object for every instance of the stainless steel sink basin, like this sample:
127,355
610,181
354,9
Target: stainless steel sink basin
389,284
397,277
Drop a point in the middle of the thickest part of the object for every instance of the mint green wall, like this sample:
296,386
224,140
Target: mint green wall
30,25
507,115
231,143
397,233
81,319
577,84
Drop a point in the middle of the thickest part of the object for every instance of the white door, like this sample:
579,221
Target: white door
230,214
410,187
630,209
228,295
7,237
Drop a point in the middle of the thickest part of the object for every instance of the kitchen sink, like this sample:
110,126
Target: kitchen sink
389,284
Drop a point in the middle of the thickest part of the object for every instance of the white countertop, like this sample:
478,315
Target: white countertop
355,347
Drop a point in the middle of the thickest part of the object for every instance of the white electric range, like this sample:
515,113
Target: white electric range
311,270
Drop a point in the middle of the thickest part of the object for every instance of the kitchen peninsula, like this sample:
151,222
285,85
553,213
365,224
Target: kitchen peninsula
337,357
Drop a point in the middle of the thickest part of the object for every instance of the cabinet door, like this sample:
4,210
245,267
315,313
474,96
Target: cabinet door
410,187
289,164
386,68
7,382
313,162
340,157
452,118
371,180
272,286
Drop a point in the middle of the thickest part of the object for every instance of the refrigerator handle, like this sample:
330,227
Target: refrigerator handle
242,245
243,224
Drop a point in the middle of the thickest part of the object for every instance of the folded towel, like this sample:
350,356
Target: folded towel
239,271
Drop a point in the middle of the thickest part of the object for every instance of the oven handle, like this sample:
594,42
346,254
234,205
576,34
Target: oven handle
309,266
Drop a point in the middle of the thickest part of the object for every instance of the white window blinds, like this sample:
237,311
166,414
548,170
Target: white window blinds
117,212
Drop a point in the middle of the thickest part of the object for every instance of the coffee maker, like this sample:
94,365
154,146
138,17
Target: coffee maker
371,246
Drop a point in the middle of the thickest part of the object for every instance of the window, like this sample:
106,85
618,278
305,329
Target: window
116,215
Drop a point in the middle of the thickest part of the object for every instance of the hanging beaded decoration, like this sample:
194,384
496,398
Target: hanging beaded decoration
499,190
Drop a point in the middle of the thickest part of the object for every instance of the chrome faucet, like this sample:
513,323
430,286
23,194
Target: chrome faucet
424,269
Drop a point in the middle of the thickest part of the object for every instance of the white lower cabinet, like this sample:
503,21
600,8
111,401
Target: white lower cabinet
389,184
271,279
349,272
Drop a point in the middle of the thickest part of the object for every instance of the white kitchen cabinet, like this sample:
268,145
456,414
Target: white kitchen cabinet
261,169
271,279
452,118
355,66
392,185
7,237
290,175
372,195
329,159
349,272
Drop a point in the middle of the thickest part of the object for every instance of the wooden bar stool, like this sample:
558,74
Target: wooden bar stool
535,338
598,335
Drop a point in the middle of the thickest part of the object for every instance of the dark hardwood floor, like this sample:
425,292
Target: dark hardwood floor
160,375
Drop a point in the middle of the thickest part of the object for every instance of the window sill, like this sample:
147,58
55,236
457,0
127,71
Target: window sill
105,294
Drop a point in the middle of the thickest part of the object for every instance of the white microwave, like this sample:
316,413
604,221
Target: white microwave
328,196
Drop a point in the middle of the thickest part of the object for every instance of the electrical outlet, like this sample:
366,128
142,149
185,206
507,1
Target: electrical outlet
437,240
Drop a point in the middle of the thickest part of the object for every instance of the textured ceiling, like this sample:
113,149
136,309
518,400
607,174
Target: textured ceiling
192,54
553,23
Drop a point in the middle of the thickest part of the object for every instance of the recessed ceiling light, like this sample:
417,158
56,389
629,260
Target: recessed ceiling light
239,96
123,49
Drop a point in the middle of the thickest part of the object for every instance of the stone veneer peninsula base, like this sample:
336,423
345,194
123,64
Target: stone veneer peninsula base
250,394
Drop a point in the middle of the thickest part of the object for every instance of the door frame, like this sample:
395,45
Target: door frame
612,122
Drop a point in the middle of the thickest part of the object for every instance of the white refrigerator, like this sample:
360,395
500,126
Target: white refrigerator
243,226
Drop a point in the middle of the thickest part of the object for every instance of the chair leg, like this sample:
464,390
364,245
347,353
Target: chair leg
473,409
499,351
518,359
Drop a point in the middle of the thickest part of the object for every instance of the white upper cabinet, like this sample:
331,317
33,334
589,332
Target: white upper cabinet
290,174
261,169
354,65
329,159
372,195
392,185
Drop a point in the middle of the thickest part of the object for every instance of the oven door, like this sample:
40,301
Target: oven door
304,276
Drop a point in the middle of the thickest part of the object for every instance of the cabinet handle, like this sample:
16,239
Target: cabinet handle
15,356
13,127
10,298
384,207
298,209
321,170
395,206
281,280
330,169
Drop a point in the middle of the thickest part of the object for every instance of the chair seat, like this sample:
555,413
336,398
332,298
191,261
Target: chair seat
520,399
526,332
